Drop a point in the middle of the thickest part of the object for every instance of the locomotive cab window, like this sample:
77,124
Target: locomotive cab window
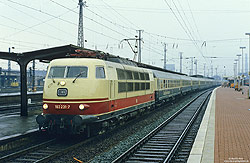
68,72
77,71
57,72
100,73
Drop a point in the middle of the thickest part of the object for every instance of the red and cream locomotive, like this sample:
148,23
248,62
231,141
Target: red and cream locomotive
82,94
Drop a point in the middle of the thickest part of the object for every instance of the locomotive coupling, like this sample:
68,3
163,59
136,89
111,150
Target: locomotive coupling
40,119
77,120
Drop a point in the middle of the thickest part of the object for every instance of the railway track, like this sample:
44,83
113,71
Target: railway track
183,151
161,144
31,154
15,108
43,151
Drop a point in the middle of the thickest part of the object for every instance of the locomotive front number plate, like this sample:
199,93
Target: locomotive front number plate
62,106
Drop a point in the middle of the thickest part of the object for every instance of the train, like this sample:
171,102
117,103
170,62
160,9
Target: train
91,91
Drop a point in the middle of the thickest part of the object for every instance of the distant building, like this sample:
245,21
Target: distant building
170,67
10,79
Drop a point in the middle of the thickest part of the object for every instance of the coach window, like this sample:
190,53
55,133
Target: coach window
100,73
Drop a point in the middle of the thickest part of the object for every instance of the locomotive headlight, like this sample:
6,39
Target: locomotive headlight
81,106
62,83
45,106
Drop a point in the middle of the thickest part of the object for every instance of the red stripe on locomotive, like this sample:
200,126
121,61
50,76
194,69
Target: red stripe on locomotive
96,107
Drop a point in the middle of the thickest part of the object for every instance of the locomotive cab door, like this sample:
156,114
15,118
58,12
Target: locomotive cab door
111,78
111,72
112,89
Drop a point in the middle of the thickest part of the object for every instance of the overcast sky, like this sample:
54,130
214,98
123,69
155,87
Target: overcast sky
198,28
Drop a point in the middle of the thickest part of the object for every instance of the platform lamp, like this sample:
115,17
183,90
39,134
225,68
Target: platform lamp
236,74
248,66
239,69
242,48
235,69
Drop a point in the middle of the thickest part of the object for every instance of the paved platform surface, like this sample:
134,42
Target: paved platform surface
18,93
224,135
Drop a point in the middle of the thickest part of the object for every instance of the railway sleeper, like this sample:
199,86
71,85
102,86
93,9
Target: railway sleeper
149,155
146,159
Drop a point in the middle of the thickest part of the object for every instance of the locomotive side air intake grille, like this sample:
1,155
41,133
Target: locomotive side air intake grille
62,92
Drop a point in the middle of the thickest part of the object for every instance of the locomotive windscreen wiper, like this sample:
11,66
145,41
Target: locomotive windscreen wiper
77,76
53,79
51,76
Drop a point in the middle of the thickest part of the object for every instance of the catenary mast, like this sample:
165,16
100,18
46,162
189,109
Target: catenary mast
80,41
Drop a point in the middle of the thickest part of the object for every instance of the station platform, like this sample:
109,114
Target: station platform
12,124
224,134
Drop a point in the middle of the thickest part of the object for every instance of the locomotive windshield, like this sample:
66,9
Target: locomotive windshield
68,72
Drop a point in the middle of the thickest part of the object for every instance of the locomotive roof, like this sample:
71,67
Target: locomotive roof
79,61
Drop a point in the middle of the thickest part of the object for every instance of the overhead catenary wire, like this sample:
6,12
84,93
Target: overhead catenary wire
163,10
186,30
121,15
188,24
195,24
115,24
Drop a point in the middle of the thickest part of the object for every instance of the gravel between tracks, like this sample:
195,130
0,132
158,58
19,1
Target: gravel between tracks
110,145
